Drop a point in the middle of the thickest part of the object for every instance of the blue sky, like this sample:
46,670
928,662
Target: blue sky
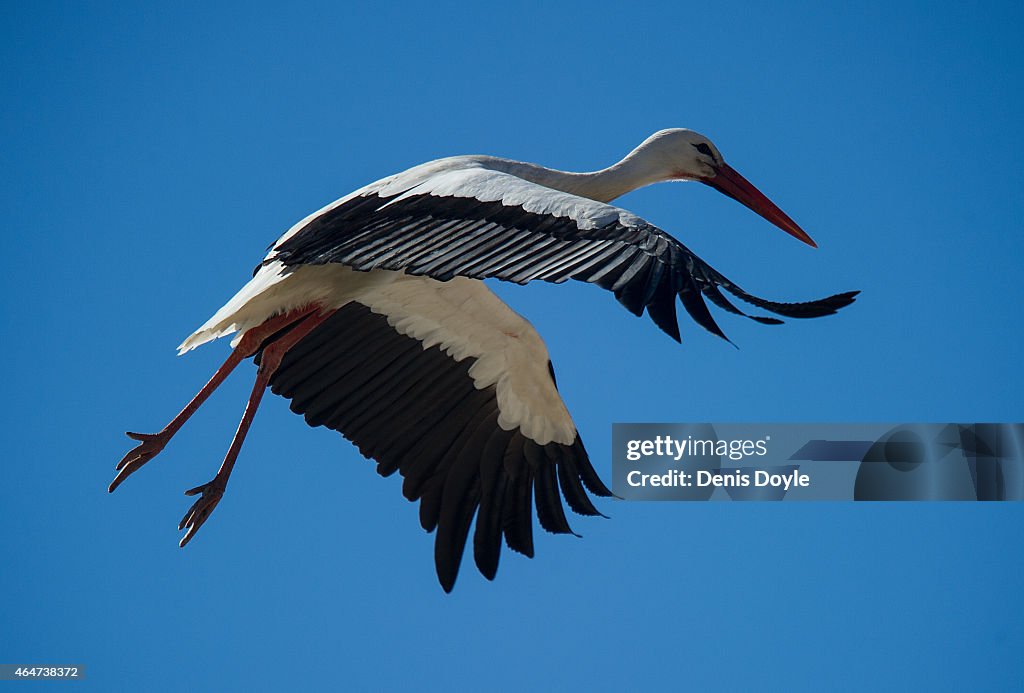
150,155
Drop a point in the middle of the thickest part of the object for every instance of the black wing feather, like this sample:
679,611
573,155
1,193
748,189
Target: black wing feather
418,412
443,237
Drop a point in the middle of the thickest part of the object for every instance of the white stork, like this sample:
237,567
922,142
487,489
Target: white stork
371,316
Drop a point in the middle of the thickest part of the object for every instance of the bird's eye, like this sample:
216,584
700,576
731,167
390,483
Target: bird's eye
703,148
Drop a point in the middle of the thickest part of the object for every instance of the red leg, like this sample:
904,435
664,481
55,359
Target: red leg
213,490
152,443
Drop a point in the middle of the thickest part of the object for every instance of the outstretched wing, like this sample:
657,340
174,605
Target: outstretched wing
445,384
483,223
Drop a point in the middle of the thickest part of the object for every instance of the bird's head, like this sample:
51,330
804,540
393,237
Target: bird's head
680,154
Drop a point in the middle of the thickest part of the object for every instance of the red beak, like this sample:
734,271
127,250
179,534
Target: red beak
731,183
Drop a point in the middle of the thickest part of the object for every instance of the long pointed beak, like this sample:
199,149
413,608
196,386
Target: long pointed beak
731,183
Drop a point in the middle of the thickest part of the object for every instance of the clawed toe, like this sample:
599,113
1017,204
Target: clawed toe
142,437
200,511
150,445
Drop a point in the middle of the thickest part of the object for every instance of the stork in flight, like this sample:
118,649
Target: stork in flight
371,317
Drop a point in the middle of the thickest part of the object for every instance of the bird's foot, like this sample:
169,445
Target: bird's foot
150,445
200,511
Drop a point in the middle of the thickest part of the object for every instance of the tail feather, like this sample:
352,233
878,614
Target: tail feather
254,303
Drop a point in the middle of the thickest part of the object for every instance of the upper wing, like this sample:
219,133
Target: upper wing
482,223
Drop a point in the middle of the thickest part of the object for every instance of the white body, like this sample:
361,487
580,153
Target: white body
462,314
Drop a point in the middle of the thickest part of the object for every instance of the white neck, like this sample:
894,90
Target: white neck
640,167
